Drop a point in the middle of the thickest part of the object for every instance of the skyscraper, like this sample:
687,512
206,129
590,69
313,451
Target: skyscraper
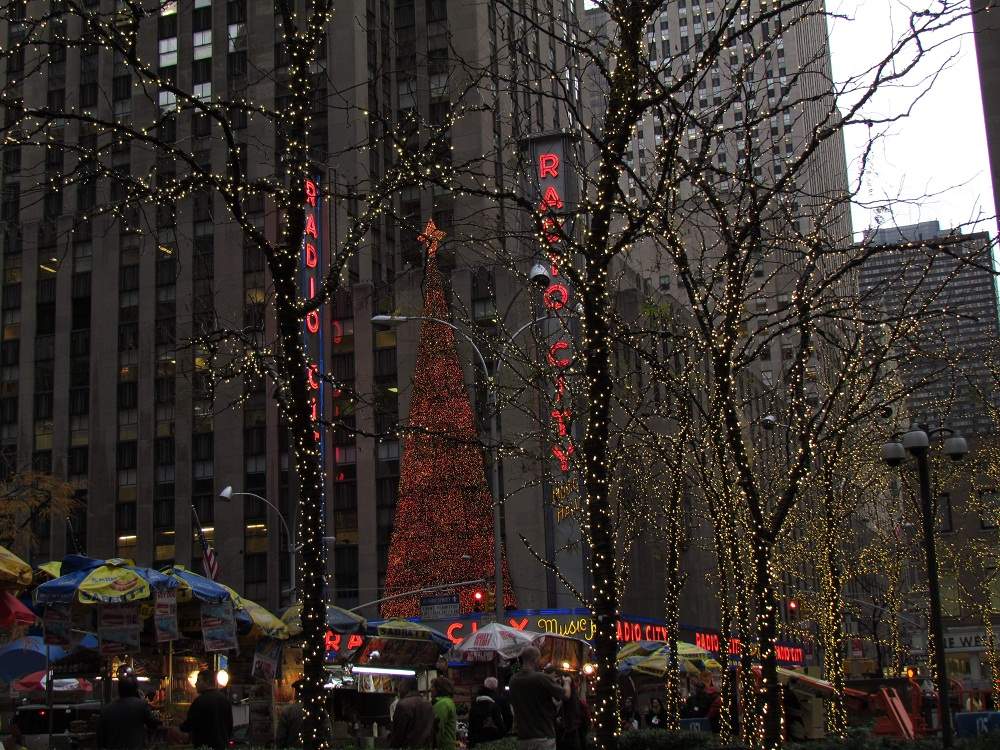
946,362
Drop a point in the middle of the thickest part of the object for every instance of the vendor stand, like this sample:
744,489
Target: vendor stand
394,650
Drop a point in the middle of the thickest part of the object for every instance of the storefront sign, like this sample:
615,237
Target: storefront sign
578,624
339,646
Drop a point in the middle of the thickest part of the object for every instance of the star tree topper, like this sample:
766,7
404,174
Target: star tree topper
431,237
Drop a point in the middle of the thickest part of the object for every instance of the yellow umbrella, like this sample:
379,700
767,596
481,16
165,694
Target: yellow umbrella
264,622
14,572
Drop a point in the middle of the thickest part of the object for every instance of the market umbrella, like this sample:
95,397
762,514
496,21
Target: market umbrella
493,640
27,655
114,581
15,573
254,620
251,618
338,620
13,612
194,586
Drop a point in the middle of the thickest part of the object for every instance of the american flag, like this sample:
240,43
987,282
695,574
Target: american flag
209,562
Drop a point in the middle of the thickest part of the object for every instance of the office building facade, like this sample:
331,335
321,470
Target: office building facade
101,386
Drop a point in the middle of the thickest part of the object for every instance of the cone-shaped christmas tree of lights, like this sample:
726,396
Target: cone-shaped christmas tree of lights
443,529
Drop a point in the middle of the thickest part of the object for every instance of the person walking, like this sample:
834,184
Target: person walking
413,719
445,714
123,723
500,696
209,721
534,697
486,718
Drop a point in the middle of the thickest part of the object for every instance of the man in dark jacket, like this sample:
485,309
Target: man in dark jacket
123,724
413,719
209,720
486,719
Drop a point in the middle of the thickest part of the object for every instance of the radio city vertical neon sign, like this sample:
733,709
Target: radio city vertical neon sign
555,297
312,280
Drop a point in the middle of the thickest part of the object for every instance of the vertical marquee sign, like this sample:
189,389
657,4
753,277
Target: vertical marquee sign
556,193
312,282
553,188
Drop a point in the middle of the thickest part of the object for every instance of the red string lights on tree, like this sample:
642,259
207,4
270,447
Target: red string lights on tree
443,528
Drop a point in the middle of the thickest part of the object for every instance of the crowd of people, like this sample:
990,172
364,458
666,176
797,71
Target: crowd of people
543,711
702,702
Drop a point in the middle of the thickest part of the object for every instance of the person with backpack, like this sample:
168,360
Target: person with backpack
486,719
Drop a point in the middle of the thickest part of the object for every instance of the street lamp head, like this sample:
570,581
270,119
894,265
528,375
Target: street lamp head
893,453
916,441
539,275
227,492
955,447
769,422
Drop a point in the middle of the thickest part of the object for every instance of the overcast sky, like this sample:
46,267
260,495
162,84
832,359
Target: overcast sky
941,148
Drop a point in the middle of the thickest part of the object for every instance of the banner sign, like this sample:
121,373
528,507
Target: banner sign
266,658
165,617
118,628
218,626
57,622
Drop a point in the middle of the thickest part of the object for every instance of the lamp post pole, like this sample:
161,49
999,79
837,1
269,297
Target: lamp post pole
934,592
228,493
493,401
916,441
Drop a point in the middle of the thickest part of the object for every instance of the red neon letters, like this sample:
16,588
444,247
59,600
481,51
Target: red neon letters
310,262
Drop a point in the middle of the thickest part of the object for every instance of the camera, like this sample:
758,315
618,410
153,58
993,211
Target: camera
539,275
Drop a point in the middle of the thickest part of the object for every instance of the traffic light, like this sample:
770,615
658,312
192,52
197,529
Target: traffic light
793,609
478,601
491,600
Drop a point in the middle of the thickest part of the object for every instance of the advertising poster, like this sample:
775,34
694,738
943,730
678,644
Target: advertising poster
165,617
118,629
218,626
58,625
266,659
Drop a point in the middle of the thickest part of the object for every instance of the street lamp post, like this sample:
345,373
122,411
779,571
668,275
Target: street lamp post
228,494
492,400
916,441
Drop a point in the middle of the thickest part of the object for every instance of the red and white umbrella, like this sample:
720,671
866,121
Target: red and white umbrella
495,640
37,683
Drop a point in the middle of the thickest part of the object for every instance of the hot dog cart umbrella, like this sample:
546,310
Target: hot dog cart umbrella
495,640
15,573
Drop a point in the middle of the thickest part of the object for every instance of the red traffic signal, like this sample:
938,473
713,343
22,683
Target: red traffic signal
478,599
793,609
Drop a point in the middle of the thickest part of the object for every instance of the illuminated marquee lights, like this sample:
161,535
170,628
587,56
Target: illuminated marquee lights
555,297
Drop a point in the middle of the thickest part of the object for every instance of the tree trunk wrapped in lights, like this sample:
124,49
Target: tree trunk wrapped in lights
443,528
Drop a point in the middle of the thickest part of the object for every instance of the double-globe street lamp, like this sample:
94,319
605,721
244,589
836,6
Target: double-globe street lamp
916,441
492,402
